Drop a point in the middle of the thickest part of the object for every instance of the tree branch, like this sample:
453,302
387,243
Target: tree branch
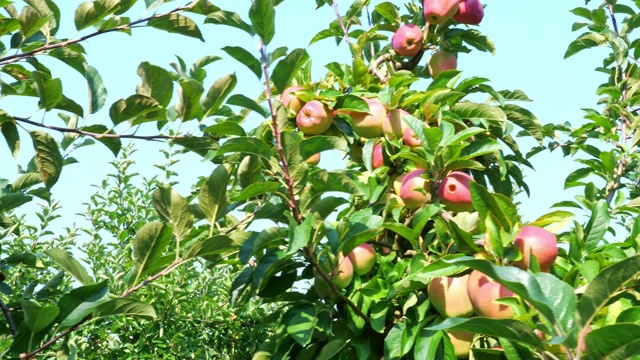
8,317
97,135
344,28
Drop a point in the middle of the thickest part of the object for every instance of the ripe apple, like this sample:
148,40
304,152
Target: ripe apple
314,159
441,61
454,192
377,157
538,242
363,258
476,279
449,296
438,11
410,138
484,305
407,41
461,341
343,272
393,127
415,190
369,125
470,12
291,101
314,118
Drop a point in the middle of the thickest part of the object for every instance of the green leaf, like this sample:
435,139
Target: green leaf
525,119
302,323
90,13
246,58
71,57
248,103
218,92
97,90
399,341
136,109
562,298
287,68
69,264
585,41
597,226
502,328
49,90
125,307
605,286
26,181
213,194
248,145
350,102
469,110
48,158
148,247
177,24
614,342
188,106
225,129
476,39
486,203
319,143
389,11
112,143
155,83
31,21
262,15
37,317
230,19
210,246
331,349
174,209
78,303
11,135
257,189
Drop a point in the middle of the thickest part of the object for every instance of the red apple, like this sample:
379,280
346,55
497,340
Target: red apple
314,159
476,279
441,61
314,118
410,138
343,272
407,40
291,101
461,341
363,258
377,157
484,304
394,127
454,192
369,125
470,12
415,190
449,296
538,242
438,11
397,183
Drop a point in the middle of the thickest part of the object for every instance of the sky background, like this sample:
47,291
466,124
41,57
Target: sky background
531,38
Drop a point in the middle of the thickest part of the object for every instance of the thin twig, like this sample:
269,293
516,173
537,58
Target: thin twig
8,317
97,135
55,339
150,279
344,28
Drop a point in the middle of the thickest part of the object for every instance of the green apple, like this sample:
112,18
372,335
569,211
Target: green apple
369,125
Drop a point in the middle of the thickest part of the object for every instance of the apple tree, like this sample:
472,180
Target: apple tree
414,248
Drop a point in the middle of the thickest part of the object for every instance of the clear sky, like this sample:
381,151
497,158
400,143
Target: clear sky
531,38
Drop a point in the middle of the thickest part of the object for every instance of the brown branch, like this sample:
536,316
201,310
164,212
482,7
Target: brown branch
344,28
55,339
8,317
396,65
17,57
150,279
97,135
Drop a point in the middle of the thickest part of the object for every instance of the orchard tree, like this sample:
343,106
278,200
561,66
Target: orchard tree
414,249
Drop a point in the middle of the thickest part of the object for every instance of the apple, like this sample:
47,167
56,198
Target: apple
314,159
314,118
454,192
397,183
461,341
377,156
394,127
484,304
438,11
538,242
323,289
476,279
369,125
363,258
407,41
390,200
342,275
410,138
291,101
449,296
470,12
415,190
441,61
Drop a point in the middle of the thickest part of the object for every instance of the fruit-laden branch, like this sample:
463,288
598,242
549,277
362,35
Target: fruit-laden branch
8,317
97,135
397,65
17,57
308,254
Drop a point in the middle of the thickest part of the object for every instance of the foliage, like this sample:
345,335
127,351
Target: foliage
155,283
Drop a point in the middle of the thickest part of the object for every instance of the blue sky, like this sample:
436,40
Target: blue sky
531,38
